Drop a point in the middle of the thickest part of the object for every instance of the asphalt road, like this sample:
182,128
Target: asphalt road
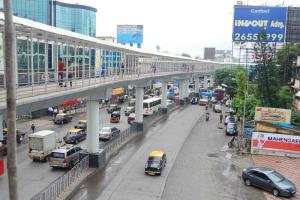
206,169
34,176
124,176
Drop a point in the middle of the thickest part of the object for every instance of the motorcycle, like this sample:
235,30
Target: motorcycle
231,142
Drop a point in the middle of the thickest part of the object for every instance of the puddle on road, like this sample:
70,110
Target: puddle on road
213,155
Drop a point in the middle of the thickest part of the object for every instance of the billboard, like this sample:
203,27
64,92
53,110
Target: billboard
130,34
275,144
118,91
273,115
250,20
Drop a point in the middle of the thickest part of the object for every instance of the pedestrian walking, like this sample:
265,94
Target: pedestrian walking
32,128
60,70
70,72
221,117
55,112
122,69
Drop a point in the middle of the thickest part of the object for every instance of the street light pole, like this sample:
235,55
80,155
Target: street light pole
10,74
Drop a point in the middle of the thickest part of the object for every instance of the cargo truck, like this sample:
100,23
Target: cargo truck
41,144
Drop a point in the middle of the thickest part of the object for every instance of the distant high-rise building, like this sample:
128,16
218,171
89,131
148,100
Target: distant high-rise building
209,53
73,17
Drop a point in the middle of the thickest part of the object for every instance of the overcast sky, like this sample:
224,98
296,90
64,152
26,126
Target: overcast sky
176,25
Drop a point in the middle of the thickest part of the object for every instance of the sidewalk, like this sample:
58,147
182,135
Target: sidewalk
289,167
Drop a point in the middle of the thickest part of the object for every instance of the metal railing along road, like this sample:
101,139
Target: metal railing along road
61,184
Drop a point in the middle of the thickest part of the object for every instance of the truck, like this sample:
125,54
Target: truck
41,144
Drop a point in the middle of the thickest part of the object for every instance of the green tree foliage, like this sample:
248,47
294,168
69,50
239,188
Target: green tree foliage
286,56
284,97
186,55
227,76
265,72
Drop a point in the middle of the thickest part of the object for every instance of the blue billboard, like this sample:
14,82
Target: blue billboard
250,20
132,34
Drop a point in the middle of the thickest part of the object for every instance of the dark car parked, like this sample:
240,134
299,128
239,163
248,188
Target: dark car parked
194,100
269,180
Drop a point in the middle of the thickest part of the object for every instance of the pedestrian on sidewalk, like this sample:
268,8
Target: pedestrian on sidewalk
60,70
32,128
221,117
70,72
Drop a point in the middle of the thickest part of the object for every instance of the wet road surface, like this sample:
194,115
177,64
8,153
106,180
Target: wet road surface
124,176
206,169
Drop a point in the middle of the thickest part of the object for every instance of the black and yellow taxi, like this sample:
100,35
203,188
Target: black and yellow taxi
82,124
115,117
75,135
62,118
156,162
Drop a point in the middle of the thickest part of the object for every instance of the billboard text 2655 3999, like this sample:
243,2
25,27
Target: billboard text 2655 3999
250,20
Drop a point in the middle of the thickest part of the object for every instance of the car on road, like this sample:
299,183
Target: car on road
115,117
156,162
194,100
217,108
128,110
112,108
269,180
62,118
82,124
229,118
203,102
75,135
231,129
131,118
107,133
65,157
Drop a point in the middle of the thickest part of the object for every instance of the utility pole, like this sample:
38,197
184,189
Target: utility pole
10,74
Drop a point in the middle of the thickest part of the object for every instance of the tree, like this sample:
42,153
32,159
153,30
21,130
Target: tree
284,97
227,76
265,71
286,56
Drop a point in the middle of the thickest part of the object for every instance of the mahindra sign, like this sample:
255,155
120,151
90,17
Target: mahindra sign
275,144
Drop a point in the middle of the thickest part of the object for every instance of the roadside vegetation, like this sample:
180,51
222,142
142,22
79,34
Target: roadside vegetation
267,81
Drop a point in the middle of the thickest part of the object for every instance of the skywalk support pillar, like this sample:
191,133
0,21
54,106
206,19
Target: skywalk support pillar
108,93
1,127
93,131
181,92
205,82
139,94
186,90
164,97
197,85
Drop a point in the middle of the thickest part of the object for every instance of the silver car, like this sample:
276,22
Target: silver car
107,133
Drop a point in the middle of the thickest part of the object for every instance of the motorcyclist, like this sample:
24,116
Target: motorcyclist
207,116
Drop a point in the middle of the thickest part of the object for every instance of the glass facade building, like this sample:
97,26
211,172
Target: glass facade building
36,10
75,18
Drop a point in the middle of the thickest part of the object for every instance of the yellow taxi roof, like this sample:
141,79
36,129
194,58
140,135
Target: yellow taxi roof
83,120
61,114
5,129
156,153
74,130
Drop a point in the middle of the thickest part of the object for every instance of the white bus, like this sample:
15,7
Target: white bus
151,105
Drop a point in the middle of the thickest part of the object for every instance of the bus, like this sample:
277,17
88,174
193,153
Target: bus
219,94
151,105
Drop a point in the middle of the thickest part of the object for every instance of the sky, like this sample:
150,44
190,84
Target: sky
178,26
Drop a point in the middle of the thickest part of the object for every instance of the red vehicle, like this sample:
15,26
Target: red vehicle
131,118
219,94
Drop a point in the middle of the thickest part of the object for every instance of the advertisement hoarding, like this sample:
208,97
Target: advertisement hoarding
130,34
118,91
250,20
275,144
273,115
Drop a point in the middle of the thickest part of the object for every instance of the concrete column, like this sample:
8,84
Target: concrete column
108,93
93,124
186,90
139,95
164,96
1,127
181,92
205,82
197,85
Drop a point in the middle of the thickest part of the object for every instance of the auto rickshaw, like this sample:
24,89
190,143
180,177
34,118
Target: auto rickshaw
115,117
